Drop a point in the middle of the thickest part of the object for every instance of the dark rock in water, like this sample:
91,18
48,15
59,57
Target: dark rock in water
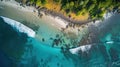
51,38
67,46
41,60
114,55
56,41
63,40
62,48
43,39
57,35
58,64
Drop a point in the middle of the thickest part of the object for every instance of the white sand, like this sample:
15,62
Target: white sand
44,25
27,13
55,21
15,4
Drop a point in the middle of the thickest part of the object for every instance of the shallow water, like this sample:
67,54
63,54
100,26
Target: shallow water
22,50
45,28
19,50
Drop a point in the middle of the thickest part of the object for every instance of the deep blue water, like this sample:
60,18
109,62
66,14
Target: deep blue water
11,44
19,50
4,60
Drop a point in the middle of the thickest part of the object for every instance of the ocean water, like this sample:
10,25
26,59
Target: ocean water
17,49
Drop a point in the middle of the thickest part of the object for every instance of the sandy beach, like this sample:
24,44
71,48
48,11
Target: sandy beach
29,18
29,40
59,23
49,26
32,13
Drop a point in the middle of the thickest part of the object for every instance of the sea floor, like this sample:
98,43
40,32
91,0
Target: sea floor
19,50
47,30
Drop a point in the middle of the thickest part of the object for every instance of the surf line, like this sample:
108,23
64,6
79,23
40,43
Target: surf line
87,47
19,26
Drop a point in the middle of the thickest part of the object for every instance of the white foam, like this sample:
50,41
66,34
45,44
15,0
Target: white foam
108,15
82,48
19,27
110,42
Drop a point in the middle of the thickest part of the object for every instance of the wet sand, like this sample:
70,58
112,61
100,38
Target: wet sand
48,27
43,27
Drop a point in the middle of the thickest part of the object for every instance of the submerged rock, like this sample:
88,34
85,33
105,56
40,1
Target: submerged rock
114,54
43,39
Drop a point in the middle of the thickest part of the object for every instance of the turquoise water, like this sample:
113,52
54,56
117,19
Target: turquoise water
19,50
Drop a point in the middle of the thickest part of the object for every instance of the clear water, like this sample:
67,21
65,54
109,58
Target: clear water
19,50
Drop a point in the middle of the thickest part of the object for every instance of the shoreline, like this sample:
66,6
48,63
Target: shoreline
19,26
33,10
71,32
56,14
58,18
63,20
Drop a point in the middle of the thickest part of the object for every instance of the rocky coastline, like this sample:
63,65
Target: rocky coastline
87,38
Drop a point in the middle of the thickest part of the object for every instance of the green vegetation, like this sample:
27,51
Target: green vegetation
95,8
38,2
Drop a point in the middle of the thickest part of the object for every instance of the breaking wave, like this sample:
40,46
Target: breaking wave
97,23
19,26
82,48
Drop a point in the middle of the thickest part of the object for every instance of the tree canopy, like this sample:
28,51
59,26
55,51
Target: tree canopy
95,8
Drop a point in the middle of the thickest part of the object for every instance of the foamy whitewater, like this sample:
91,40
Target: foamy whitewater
87,47
82,48
19,26
24,29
